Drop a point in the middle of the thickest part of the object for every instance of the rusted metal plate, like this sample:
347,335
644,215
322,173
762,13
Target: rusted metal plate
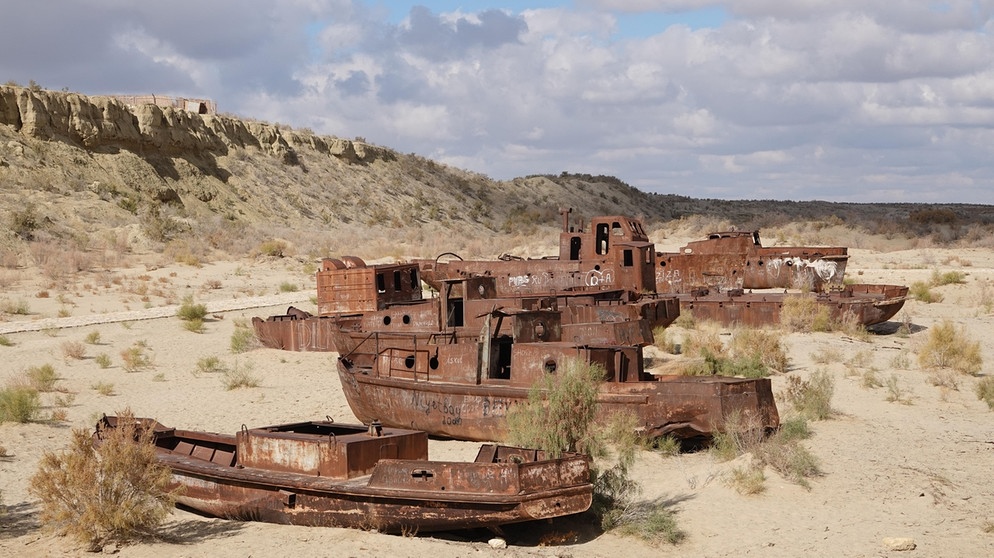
370,477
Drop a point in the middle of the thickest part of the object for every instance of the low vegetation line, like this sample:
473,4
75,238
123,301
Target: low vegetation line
150,313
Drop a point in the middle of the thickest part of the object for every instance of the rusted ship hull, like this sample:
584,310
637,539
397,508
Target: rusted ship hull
737,259
865,304
311,476
684,407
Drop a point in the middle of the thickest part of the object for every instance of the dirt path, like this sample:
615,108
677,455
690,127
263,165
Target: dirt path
213,306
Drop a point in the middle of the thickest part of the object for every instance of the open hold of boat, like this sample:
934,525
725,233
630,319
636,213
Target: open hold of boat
371,477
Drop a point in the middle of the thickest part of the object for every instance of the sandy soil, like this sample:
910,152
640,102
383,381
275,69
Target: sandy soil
916,469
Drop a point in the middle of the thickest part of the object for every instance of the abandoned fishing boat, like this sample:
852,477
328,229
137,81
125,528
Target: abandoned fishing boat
865,304
385,298
371,477
709,277
738,259
464,390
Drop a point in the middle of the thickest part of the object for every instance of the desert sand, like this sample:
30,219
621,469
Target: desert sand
917,468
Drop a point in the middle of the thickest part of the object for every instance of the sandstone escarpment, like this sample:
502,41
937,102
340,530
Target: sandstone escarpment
104,123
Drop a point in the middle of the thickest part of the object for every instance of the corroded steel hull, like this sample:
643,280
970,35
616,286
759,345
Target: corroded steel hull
737,259
868,304
685,407
278,478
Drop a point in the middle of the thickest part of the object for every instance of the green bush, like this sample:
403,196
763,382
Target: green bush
42,378
559,414
189,311
19,403
242,340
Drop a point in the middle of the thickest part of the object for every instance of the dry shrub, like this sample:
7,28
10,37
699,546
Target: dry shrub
826,356
765,346
782,451
663,341
812,398
948,346
748,480
41,378
73,350
800,313
135,358
702,342
114,491
985,391
922,291
239,376
947,278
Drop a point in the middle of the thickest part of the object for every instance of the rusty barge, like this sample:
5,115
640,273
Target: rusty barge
370,477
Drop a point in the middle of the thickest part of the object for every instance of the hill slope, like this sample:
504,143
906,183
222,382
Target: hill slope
97,172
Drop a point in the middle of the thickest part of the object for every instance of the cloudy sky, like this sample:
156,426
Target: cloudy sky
840,100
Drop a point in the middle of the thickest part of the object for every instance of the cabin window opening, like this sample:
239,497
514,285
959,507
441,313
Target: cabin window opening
381,283
415,282
433,363
453,314
409,361
649,256
601,238
574,248
549,366
616,229
628,258
396,281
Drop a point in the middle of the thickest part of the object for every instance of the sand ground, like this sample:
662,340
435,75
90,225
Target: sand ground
916,468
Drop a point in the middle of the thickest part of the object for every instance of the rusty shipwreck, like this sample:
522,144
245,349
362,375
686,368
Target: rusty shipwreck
714,278
371,477
454,364
738,260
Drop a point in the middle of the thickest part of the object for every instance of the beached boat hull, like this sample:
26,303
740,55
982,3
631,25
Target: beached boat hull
685,407
865,304
306,474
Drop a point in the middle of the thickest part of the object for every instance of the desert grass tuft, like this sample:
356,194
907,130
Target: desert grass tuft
239,376
42,378
210,364
948,346
243,339
922,291
985,391
895,393
136,358
803,314
102,360
191,311
664,341
73,350
103,388
92,338
812,398
5,341
19,402
747,480
113,492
